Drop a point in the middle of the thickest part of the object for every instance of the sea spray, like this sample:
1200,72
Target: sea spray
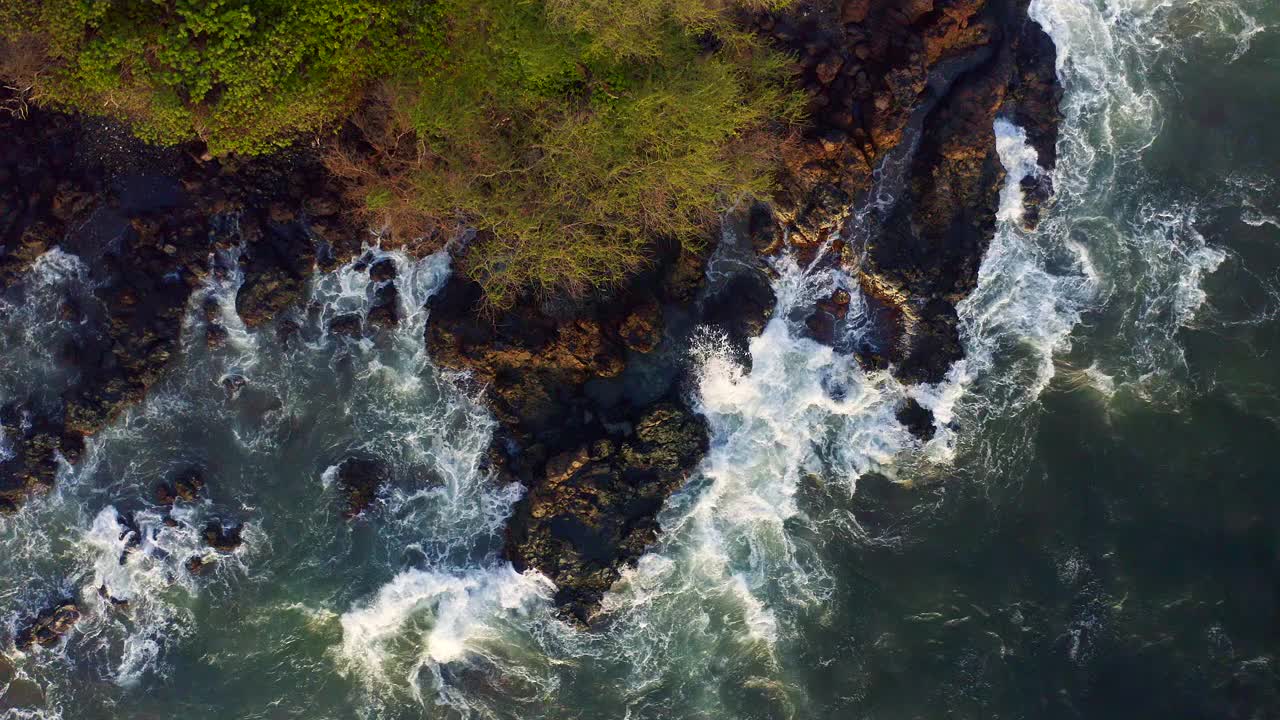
1138,240
423,625
141,577
34,326
1030,295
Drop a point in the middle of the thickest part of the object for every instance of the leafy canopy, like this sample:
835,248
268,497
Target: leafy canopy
242,75
569,153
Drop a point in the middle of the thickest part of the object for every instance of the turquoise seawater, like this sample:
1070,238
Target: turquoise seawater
1093,534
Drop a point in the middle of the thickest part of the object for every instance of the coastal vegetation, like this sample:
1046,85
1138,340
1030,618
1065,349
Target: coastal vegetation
240,76
571,135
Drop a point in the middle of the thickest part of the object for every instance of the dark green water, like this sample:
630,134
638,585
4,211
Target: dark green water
1093,535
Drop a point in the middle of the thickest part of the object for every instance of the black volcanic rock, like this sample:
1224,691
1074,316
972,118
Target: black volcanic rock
361,479
917,419
221,537
145,221
594,509
921,84
593,415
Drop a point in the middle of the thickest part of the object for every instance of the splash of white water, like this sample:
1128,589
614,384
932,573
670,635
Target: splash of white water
437,623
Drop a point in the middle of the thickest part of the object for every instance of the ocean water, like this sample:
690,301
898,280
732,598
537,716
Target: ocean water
1092,533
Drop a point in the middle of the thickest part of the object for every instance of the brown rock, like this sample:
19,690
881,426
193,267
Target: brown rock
642,330
50,626
361,479
854,11
827,70
223,538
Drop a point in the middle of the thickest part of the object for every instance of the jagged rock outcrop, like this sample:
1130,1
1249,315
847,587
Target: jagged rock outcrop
49,627
594,509
185,487
360,480
222,537
593,411
912,89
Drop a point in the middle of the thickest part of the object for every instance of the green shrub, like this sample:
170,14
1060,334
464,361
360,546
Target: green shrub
572,161
242,75
626,30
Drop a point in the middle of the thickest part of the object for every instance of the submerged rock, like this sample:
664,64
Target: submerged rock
36,443
348,325
360,481
385,312
50,626
198,564
185,487
223,538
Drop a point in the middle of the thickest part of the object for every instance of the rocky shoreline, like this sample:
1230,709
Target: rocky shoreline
591,394
146,223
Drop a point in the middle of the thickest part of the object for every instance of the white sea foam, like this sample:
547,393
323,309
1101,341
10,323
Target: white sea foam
221,287
135,575
1023,309
1021,161
729,575
422,620
804,410
31,331
1258,219
7,450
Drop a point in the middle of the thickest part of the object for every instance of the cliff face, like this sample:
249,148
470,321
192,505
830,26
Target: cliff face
590,394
